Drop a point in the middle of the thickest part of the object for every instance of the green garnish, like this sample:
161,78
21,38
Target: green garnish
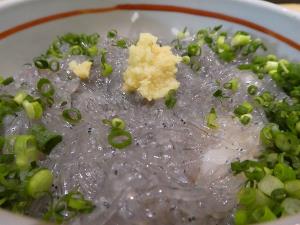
177,42
118,123
219,94
240,39
26,152
170,99
193,50
106,68
77,44
112,34
232,85
118,136
46,140
72,115
6,81
121,43
38,182
212,119
20,97
7,106
67,207
244,108
186,59
245,118
54,65
45,87
41,63
252,90
34,110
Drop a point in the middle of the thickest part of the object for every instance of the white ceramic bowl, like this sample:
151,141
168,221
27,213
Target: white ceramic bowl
27,28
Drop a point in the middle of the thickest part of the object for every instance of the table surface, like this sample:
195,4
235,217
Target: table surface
295,7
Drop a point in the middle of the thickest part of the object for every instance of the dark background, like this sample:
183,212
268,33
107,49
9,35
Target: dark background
284,1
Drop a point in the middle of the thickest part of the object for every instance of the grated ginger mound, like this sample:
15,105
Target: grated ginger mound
81,70
151,69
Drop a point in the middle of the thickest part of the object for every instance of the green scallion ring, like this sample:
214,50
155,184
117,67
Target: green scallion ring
76,50
72,115
41,63
54,65
34,110
39,182
7,81
25,149
93,39
118,123
117,133
45,87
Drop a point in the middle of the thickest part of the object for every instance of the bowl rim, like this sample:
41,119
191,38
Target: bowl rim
4,4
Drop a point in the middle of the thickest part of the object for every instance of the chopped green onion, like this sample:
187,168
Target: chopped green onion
267,96
252,90
240,40
106,69
212,119
267,134
118,123
112,34
7,81
7,158
2,142
245,119
269,183
221,41
283,65
107,122
271,65
232,85
92,51
241,217
76,50
46,140
54,65
182,34
291,206
119,138
39,183
279,194
45,87
25,148
20,97
254,173
284,172
33,110
247,196
263,214
219,94
193,50
195,65
170,99
244,108
72,115
286,141
41,63
186,59
121,43
75,201
292,187
93,39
